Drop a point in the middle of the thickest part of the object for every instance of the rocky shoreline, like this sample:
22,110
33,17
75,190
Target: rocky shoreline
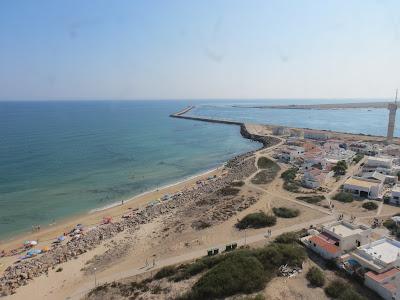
238,168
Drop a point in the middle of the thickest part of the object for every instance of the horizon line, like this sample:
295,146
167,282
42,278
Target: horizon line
379,99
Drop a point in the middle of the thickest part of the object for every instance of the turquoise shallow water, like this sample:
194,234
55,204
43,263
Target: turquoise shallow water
62,158
366,121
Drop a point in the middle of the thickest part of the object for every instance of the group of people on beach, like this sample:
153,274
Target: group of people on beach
35,228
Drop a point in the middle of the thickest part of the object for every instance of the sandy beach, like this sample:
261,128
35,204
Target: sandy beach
48,233
202,214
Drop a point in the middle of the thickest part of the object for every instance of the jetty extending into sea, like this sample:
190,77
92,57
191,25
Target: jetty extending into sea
365,105
182,115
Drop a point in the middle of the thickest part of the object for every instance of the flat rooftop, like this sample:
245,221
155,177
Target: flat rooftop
385,250
381,159
367,183
344,229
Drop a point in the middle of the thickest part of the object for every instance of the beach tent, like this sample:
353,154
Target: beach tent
107,220
30,243
61,238
33,252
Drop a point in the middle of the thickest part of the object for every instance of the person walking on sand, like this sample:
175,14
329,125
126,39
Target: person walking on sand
146,263
154,262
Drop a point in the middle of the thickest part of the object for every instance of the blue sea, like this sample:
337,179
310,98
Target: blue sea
58,159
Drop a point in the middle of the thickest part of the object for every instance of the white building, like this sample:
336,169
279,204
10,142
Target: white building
280,130
378,256
363,187
291,153
314,178
395,195
338,238
385,284
382,162
382,165
364,148
389,179
382,260
316,135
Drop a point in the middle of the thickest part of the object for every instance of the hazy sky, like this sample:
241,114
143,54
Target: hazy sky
198,49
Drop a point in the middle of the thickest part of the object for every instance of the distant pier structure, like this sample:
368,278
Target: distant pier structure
392,107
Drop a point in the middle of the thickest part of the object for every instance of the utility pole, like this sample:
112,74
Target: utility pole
95,281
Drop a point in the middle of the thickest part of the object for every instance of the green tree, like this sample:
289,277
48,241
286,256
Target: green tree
340,168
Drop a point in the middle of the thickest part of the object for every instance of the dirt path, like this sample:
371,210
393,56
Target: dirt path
194,255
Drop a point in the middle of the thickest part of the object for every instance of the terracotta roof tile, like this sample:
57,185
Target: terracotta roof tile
322,243
379,277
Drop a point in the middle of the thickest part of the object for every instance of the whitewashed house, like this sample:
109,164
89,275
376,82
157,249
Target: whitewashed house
363,187
338,238
381,259
316,135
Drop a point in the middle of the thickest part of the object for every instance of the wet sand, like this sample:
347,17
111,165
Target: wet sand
48,233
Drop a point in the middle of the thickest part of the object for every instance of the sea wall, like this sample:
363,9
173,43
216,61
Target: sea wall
266,141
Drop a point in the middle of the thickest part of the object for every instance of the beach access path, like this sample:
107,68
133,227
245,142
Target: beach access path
197,254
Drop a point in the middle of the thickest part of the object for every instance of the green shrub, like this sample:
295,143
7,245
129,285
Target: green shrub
311,199
284,212
370,205
358,158
200,265
289,183
287,238
236,274
165,272
389,224
270,169
290,174
228,191
256,297
241,271
340,168
331,264
275,255
344,197
316,277
264,176
336,288
237,183
393,227
350,294
256,220
266,163
291,186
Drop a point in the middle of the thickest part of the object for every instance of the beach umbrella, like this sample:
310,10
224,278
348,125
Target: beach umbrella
34,243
